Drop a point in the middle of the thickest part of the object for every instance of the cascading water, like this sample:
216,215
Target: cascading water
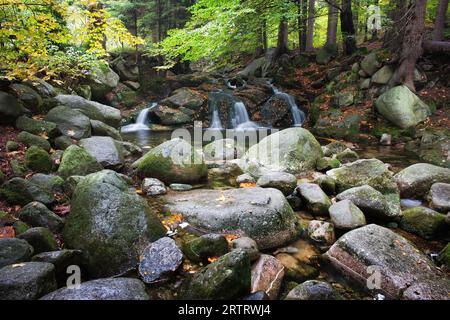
142,121
298,115
241,120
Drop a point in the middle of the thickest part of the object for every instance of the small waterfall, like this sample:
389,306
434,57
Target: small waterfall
142,121
241,120
215,120
297,115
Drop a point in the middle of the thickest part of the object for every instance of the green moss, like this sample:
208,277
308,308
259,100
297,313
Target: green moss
20,227
444,256
12,146
77,162
38,160
423,222
32,140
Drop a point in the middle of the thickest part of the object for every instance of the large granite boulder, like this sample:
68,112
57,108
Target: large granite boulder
71,123
76,161
13,250
105,150
102,79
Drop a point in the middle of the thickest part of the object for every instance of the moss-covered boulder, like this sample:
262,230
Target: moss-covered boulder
63,142
77,162
206,246
227,278
316,200
294,150
37,214
402,107
424,222
327,163
102,80
38,160
13,250
21,191
51,183
105,150
40,238
174,161
444,256
370,64
71,123
37,127
12,146
10,108
326,54
112,242
29,97
102,129
30,140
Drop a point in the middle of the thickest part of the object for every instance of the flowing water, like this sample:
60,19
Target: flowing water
298,115
142,121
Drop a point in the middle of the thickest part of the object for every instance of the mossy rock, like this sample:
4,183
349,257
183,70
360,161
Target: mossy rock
38,160
41,239
12,146
29,140
326,163
444,256
37,126
77,162
424,222
21,191
206,246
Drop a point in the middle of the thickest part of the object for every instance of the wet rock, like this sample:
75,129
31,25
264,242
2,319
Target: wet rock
170,116
37,214
91,109
383,75
21,191
129,149
327,184
314,290
102,129
267,275
345,215
29,97
370,172
295,201
38,160
406,273
61,260
326,163
224,176
316,200
27,281
41,239
261,214
402,107
77,162
70,122
37,127
424,222
160,260
174,161
293,150
153,187
105,150
416,180
295,269
13,250
372,202
10,108
321,232
180,187
206,246
347,156
439,197
249,245
63,142
30,140
185,98
285,182
103,289
227,278
108,243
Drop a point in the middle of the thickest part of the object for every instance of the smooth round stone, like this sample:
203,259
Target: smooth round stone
322,232
249,245
180,187
153,187
345,215
314,290
13,250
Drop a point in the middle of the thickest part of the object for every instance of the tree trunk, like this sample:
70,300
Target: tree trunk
311,21
348,28
437,46
411,46
332,22
302,21
282,44
438,33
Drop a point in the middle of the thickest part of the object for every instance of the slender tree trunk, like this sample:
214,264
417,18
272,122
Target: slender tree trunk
438,33
282,44
311,21
303,9
265,42
375,31
348,28
411,46
332,23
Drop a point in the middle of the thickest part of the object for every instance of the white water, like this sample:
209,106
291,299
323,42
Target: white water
241,118
215,121
142,121
298,115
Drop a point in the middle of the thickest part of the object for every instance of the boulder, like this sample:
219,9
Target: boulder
38,160
416,180
334,148
316,200
170,116
326,163
37,214
121,97
93,110
153,187
43,88
29,97
345,215
13,250
102,129
383,76
326,54
21,191
109,244
160,260
439,197
10,108
224,175
285,182
261,214
77,161
249,245
105,150
321,232
185,98
103,289
63,142
326,183
344,99
174,161
295,269
30,140
180,187
444,256
347,156
406,273
41,239
227,278
37,127
27,281
70,122
53,184
370,64
225,149
402,107
206,247
294,150
424,222
127,71
314,290
102,79
267,275
12,146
